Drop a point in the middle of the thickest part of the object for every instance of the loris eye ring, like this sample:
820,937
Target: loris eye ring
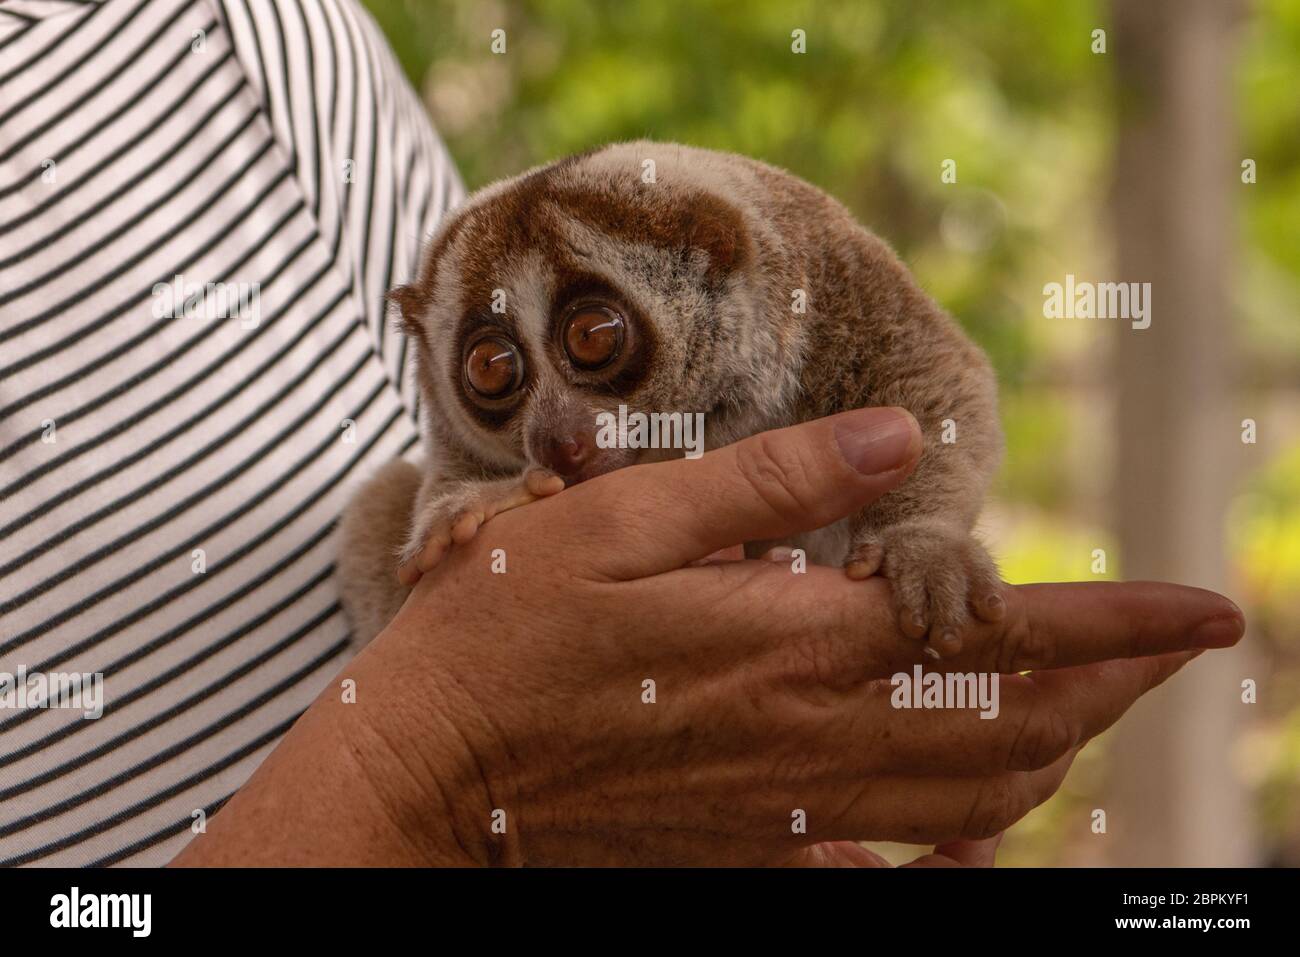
494,368
593,337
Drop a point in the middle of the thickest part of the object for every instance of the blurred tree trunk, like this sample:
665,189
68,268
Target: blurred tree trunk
1175,798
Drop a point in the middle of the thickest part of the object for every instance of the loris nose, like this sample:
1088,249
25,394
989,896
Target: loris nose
566,454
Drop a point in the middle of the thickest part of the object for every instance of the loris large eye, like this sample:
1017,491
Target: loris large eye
494,368
593,337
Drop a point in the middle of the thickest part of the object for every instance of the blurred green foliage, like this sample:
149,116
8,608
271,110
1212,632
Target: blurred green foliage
1010,90
869,113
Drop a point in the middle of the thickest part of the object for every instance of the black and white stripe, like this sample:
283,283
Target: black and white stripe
284,149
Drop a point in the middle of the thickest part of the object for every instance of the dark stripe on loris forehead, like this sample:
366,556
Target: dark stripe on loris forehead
622,207
500,231
692,221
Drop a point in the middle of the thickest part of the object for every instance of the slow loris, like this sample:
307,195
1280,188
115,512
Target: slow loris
668,278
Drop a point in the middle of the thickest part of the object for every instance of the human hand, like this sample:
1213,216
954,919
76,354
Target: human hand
507,718
771,689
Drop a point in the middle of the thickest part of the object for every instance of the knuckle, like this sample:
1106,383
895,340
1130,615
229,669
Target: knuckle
796,766
817,660
1025,646
997,805
1045,735
821,650
781,478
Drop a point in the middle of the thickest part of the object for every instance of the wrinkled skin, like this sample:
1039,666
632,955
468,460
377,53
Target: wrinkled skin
519,697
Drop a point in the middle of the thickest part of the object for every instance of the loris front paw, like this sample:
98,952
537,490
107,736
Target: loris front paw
455,517
939,574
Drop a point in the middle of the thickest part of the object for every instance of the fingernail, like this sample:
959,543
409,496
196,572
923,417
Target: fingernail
1219,632
877,440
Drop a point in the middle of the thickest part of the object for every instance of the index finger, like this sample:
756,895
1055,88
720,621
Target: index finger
850,631
1077,623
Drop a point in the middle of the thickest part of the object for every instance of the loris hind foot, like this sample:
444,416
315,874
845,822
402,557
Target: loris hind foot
939,574
454,517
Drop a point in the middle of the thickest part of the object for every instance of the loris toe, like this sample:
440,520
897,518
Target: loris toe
939,575
456,517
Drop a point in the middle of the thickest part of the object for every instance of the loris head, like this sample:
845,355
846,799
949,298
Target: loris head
621,276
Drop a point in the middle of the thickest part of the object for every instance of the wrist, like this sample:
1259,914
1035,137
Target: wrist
365,782
419,800
423,749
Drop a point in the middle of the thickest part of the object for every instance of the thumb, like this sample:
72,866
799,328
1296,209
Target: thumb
769,486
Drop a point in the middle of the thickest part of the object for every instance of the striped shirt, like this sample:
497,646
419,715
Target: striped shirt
202,203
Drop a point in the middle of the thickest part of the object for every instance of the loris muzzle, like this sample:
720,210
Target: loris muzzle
664,278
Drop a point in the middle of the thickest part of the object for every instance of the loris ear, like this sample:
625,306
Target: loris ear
716,227
411,304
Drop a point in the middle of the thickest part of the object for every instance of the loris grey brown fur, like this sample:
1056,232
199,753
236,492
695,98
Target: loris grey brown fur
669,278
